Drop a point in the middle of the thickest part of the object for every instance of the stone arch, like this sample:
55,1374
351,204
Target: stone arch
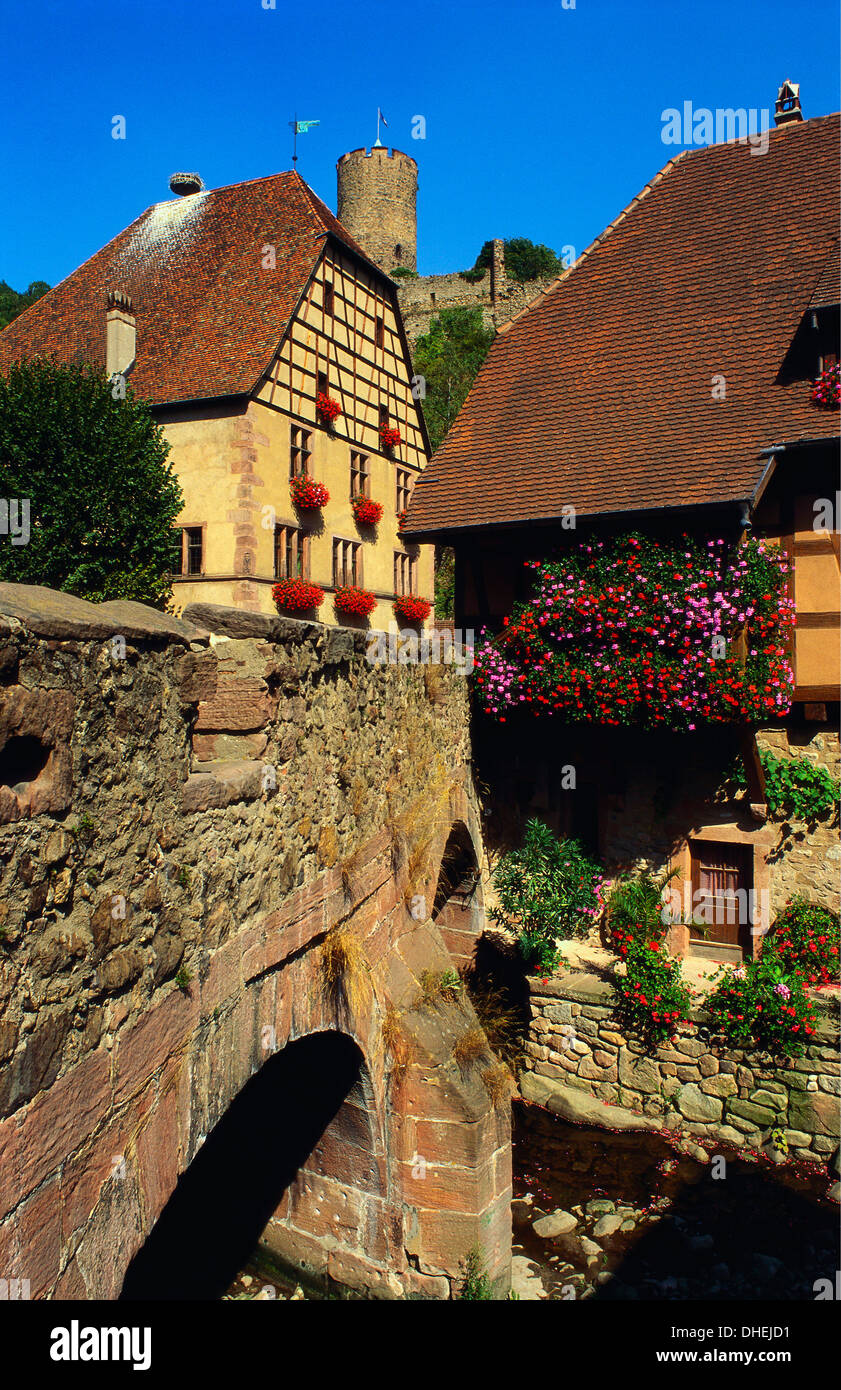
295,1158
458,909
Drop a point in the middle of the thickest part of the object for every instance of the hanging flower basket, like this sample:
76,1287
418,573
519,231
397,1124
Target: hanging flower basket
356,603
297,595
411,610
827,388
389,436
328,408
307,495
366,512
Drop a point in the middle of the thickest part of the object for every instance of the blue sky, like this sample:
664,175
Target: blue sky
541,121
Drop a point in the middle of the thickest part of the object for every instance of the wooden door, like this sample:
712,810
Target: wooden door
721,883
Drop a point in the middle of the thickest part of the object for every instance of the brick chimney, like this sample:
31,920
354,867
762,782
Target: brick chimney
120,333
787,109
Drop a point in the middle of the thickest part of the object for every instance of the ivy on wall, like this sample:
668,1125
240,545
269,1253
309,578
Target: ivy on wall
794,787
799,788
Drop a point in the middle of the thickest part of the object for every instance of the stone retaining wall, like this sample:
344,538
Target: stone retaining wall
736,1096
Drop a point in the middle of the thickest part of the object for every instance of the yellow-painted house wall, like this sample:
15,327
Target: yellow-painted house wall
233,457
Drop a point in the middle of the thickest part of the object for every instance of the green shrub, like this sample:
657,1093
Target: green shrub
654,999
758,1004
805,940
548,892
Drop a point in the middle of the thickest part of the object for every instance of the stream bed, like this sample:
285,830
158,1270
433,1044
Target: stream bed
629,1217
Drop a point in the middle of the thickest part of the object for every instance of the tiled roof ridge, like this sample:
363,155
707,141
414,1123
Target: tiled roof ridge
597,241
643,193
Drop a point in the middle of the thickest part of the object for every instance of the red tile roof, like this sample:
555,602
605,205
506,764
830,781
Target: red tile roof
600,396
209,316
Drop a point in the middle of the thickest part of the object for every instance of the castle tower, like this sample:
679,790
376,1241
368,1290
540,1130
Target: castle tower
377,195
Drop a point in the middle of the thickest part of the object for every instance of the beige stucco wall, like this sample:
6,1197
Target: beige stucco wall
234,468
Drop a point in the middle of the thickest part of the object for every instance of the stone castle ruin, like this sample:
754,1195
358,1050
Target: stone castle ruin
377,202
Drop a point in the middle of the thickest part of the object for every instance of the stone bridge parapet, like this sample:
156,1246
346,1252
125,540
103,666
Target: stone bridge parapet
222,836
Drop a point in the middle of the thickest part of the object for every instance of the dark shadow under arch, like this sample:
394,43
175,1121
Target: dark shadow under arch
459,873
212,1222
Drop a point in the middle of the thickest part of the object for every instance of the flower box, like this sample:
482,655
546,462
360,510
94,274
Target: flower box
410,609
328,408
401,519
356,603
646,631
307,494
366,512
296,595
389,436
826,390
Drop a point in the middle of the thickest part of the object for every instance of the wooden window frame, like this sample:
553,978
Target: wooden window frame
353,549
379,330
283,533
299,451
403,490
329,298
185,572
405,574
360,474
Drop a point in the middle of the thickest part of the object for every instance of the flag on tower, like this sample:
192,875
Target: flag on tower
381,117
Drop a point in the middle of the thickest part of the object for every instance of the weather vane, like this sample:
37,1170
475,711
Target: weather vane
299,128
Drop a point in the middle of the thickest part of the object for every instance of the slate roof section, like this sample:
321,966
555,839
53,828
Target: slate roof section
209,316
600,396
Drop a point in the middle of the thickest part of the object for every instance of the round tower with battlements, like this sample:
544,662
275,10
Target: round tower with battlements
377,202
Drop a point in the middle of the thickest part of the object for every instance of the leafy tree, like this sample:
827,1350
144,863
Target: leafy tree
523,259
103,496
445,581
13,303
448,358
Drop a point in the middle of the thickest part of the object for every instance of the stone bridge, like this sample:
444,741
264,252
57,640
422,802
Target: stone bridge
233,856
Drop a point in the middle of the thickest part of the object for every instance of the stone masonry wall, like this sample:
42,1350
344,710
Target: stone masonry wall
737,1097
189,807
655,811
500,299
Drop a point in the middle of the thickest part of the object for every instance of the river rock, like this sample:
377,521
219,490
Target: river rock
599,1206
834,1193
559,1223
606,1225
526,1280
